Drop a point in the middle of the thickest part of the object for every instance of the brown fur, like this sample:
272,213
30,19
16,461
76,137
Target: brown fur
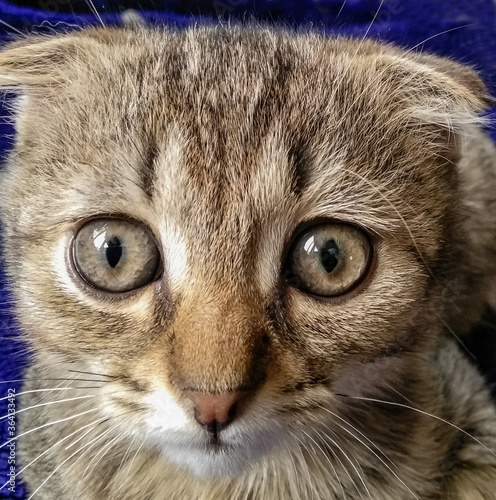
224,142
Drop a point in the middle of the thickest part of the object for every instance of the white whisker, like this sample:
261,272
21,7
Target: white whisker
411,49
311,453
91,5
34,391
104,449
101,436
45,404
332,465
400,216
353,465
12,27
340,10
457,338
422,412
92,425
369,448
53,422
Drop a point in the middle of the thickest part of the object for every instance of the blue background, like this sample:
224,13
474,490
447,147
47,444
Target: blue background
464,30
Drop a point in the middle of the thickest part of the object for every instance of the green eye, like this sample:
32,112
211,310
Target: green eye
115,255
328,260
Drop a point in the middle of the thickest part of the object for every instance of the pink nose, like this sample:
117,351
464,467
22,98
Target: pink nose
214,411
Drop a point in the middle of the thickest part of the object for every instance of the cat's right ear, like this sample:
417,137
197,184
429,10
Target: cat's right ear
39,69
36,65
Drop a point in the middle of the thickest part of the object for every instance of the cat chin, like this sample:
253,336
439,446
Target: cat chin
227,461
227,464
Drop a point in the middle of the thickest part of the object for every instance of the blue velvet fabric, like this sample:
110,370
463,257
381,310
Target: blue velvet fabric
464,30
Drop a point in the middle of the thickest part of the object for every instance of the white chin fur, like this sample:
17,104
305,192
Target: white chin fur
220,464
231,460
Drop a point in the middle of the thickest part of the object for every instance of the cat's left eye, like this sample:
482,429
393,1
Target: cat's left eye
328,260
115,255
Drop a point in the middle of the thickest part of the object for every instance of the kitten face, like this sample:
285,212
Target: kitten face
225,148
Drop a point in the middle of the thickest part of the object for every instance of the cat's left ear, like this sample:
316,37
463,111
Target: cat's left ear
449,94
467,82
445,98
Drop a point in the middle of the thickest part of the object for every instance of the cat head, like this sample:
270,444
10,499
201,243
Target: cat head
226,221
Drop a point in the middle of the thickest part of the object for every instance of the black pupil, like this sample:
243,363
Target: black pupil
113,251
329,255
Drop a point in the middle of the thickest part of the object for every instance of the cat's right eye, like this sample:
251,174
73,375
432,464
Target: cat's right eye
115,255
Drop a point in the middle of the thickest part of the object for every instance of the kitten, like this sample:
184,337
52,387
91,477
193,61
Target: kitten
242,259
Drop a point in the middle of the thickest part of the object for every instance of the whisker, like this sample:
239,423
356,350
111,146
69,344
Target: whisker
381,460
373,20
422,412
340,10
130,462
307,469
92,7
16,381
370,449
362,40
354,428
398,213
105,449
82,476
295,469
400,394
92,424
136,454
34,391
411,49
106,419
45,404
334,442
47,394
334,469
331,464
457,338
12,27
92,373
101,436
47,425
124,458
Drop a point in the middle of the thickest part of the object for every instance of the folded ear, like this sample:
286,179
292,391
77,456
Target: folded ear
42,63
461,78
35,62
440,93
40,69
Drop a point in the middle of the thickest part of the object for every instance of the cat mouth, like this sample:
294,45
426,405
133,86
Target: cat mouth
216,446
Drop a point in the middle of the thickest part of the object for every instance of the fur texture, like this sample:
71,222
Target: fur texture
225,143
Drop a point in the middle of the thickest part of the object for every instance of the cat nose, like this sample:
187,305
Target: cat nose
214,411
